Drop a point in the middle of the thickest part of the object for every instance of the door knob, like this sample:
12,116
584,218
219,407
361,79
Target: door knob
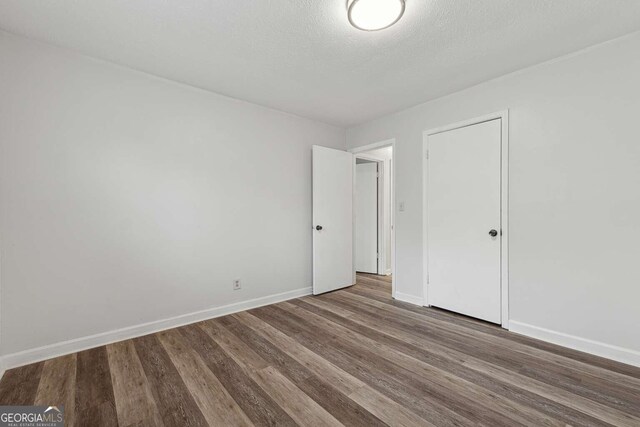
318,227
493,233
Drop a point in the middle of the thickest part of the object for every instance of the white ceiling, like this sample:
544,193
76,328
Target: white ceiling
301,56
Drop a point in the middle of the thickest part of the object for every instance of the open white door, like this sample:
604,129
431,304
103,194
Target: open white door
366,218
464,220
332,219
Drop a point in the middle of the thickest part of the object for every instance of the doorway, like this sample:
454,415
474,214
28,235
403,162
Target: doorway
465,218
334,220
373,212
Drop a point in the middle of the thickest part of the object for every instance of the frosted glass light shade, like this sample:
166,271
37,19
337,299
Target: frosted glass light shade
373,15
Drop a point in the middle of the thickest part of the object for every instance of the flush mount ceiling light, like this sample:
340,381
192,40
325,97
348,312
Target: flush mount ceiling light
373,15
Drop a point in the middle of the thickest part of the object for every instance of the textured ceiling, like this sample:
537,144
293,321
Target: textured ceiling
301,56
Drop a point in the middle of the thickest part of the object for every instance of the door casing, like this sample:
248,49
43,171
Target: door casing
504,204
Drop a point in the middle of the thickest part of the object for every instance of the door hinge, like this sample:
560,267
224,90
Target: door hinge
427,155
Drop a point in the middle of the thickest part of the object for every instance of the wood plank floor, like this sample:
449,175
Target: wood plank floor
351,357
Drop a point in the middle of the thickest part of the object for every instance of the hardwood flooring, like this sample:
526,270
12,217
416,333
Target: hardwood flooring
350,357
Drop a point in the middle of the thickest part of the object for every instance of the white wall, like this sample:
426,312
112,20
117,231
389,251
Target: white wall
127,199
574,192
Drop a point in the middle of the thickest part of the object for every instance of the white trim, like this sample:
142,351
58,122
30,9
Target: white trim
504,219
620,354
381,262
373,146
381,144
365,157
66,347
504,209
412,299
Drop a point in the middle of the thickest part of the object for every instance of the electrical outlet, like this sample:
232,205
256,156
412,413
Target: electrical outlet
236,284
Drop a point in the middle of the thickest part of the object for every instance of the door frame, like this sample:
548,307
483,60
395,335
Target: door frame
504,205
358,151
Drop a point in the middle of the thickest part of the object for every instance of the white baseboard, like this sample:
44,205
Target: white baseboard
620,354
66,347
412,299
